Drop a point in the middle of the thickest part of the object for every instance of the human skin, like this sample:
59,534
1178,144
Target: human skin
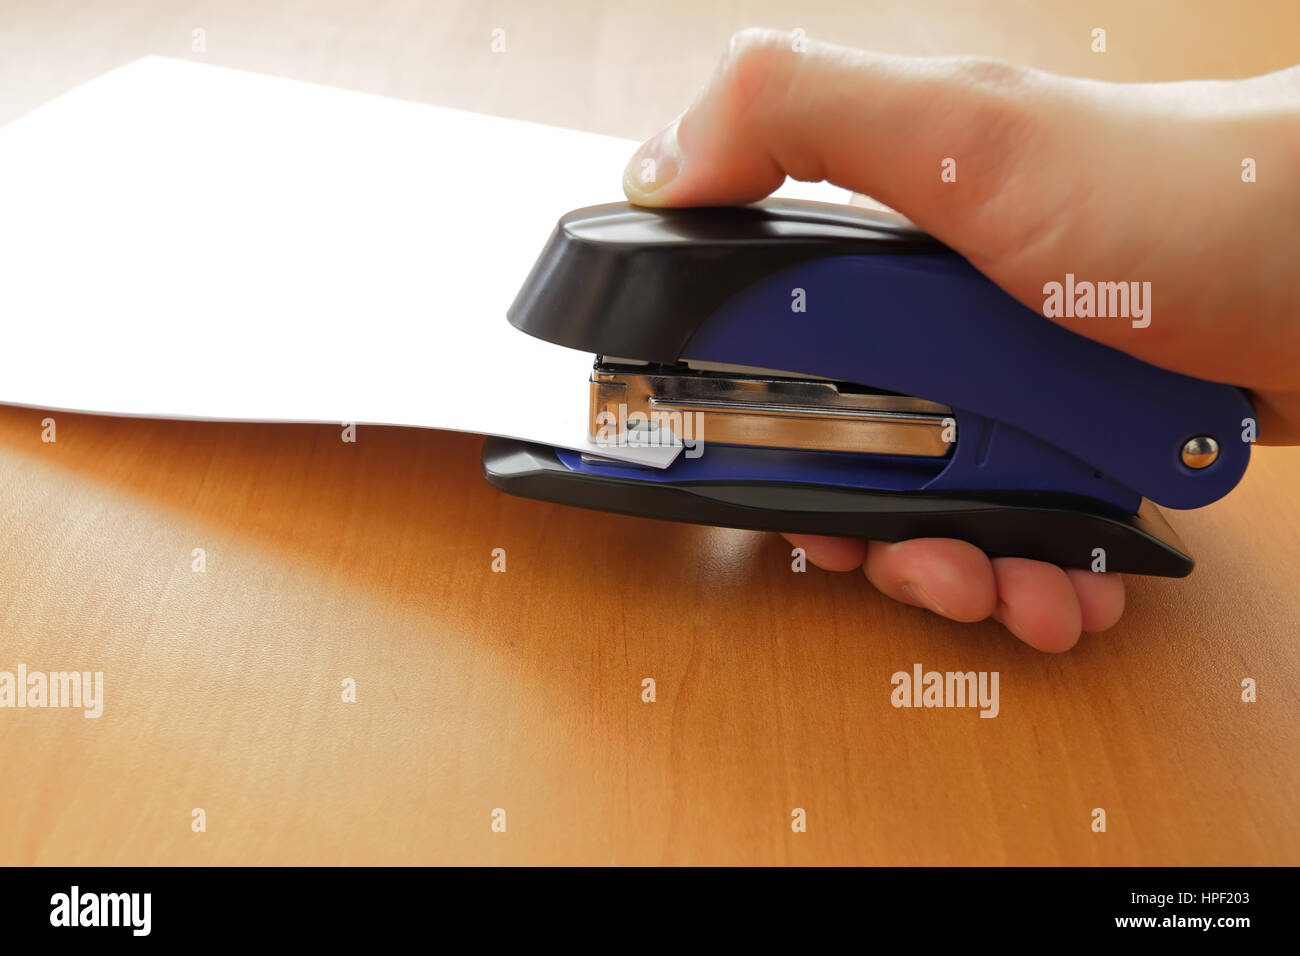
1117,182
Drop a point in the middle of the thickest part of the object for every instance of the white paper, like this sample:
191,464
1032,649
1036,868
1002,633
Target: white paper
187,241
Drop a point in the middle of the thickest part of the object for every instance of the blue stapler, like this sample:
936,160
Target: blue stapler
838,373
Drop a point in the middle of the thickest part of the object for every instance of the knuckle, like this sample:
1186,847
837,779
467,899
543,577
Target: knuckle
987,75
758,61
999,99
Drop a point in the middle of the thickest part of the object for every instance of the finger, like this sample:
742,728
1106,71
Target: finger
1101,598
830,554
1037,603
952,578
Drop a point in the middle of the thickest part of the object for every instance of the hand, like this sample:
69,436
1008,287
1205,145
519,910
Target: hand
1113,182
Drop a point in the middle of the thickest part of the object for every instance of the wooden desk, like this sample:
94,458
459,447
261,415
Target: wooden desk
523,690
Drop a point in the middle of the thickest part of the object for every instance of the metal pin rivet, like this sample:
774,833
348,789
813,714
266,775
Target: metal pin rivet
1200,452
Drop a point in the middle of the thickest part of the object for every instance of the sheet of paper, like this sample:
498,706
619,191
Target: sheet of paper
186,241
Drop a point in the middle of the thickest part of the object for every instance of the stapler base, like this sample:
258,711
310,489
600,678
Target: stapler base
1059,529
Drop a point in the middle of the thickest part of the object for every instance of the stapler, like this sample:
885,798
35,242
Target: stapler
841,373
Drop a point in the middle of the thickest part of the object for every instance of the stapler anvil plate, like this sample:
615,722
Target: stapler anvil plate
846,375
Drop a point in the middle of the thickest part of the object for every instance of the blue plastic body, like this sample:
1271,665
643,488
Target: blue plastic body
1038,407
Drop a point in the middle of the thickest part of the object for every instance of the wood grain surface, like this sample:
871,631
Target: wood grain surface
522,690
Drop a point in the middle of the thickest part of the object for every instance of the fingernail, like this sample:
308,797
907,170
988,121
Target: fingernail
919,595
654,165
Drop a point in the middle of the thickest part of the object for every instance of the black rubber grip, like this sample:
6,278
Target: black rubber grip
1010,525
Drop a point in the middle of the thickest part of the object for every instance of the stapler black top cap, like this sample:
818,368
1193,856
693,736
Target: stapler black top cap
624,280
